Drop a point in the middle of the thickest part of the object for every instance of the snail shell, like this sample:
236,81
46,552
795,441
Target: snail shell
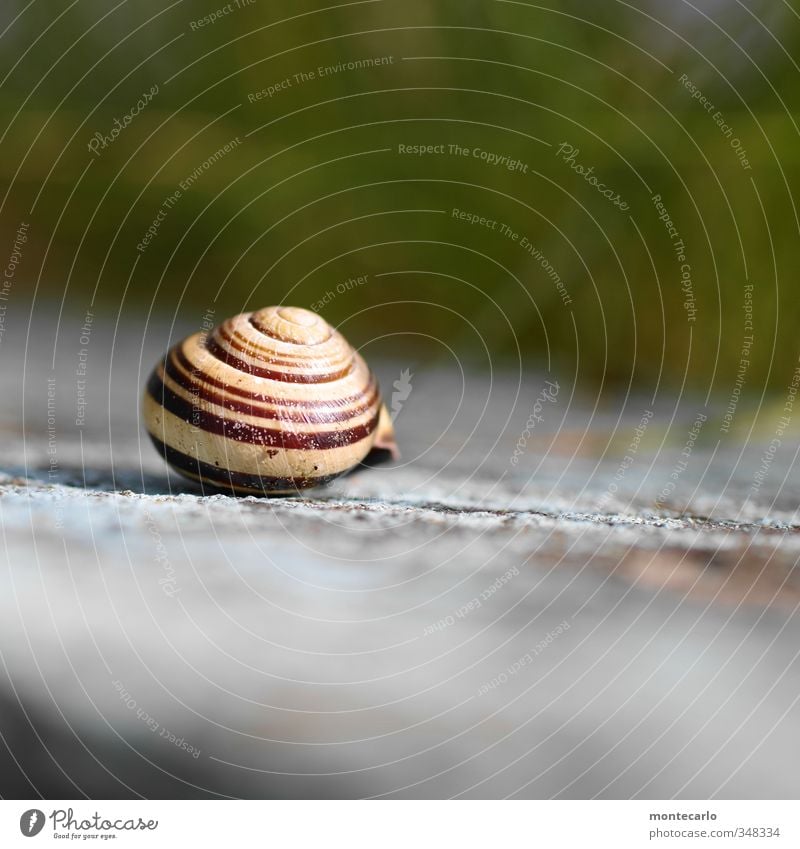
270,402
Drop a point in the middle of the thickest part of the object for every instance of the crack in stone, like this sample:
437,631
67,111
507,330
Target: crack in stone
424,510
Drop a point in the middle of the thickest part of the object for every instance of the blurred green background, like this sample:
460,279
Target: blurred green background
316,191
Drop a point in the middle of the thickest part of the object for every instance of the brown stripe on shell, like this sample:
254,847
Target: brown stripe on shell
254,434
320,413
295,353
216,350
185,363
220,478
273,357
271,332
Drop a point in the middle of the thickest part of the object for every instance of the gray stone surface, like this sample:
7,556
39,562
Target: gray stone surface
451,625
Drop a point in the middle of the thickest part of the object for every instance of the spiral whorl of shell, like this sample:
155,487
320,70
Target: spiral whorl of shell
270,402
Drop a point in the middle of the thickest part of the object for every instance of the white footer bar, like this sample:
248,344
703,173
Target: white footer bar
402,824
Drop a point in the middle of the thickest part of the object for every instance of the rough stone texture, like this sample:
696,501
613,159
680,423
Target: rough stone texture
401,632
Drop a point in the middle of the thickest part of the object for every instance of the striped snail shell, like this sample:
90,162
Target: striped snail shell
270,402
